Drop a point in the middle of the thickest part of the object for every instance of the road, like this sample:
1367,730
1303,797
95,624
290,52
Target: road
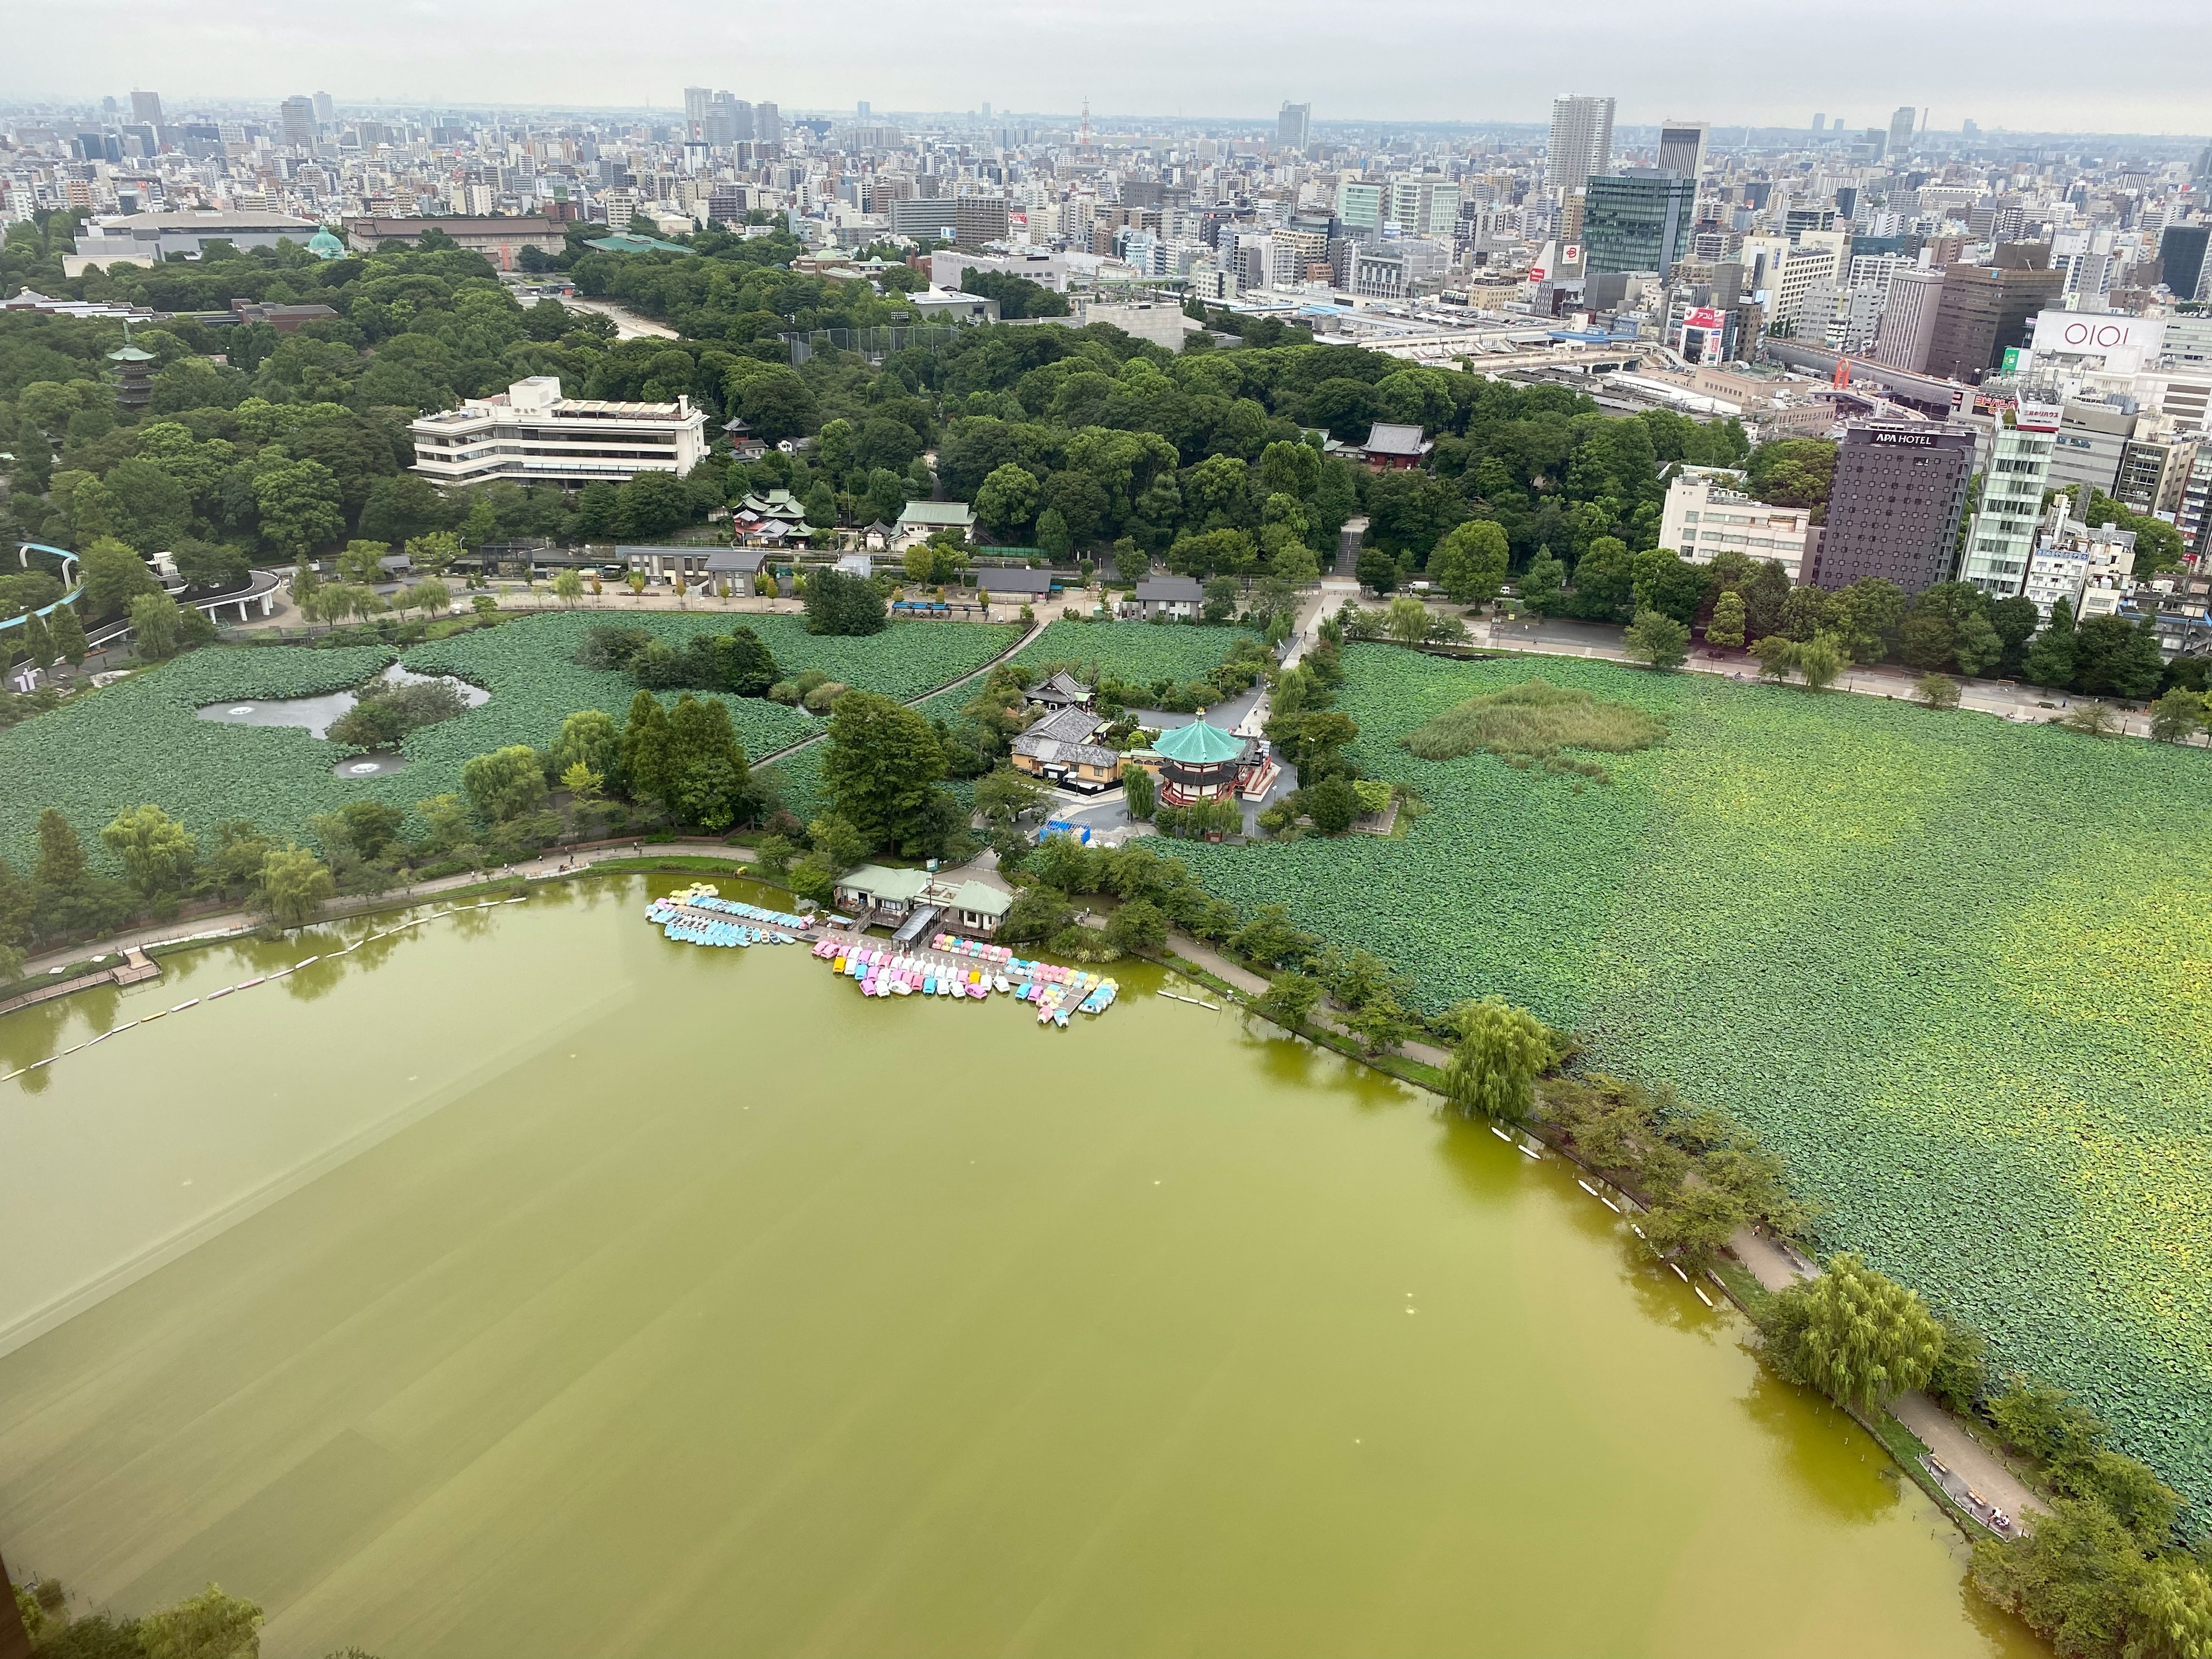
628,325
1598,641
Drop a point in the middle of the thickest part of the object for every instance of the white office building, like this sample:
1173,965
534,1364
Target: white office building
532,434
2093,570
1707,511
2002,537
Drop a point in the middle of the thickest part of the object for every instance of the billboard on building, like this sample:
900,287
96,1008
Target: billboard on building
2125,343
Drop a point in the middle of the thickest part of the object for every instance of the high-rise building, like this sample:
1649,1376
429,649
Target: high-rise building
1907,326
695,107
1901,130
1360,204
1638,221
1894,507
296,123
2181,258
1820,121
1581,145
1293,126
2001,536
146,108
767,124
1682,147
325,111
1984,309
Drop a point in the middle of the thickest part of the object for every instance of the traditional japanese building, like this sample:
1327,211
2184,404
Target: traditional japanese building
1200,761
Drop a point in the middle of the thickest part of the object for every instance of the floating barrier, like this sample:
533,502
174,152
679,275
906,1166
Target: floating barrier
258,979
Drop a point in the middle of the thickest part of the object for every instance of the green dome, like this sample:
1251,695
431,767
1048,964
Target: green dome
324,246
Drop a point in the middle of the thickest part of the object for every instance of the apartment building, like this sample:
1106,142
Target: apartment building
532,434
2093,570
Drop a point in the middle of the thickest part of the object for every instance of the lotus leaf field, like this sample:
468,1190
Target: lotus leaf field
139,740
1958,970
1139,652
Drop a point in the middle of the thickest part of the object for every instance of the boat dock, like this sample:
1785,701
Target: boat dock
700,915
964,969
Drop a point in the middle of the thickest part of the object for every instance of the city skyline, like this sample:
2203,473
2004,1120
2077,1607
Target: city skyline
2136,82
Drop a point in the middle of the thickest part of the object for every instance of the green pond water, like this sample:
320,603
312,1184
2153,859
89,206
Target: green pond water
528,1284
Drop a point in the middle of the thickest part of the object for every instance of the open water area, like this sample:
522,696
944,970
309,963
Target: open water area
527,1283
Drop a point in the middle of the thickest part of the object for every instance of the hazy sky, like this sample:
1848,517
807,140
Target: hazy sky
2120,65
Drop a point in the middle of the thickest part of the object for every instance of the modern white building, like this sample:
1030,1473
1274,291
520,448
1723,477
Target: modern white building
2000,540
1707,510
531,434
2093,570
148,239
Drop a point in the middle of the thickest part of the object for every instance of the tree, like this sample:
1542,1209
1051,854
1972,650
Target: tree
2091,720
569,588
1656,639
506,784
1139,791
2173,1612
1053,534
1820,661
38,642
882,768
113,576
1936,690
154,626
1272,939
2178,716
209,1626
294,885
1469,563
1605,582
1494,1065
1725,626
1865,1337
154,847
1137,925
1008,499
1332,804
1288,1001
1543,583
707,780
838,602
1377,569
2050,660
1407,620
299,506
361,562
431,597
2078,1577
1006,796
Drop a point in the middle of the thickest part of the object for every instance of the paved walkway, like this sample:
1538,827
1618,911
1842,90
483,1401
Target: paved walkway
1976,1479
2024,704
551,864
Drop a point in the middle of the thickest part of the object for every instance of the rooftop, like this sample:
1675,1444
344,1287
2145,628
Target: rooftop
1199,744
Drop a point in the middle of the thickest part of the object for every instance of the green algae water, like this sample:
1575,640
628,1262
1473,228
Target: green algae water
528,1284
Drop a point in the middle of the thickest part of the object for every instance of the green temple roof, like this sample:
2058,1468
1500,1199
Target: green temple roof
1199,744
